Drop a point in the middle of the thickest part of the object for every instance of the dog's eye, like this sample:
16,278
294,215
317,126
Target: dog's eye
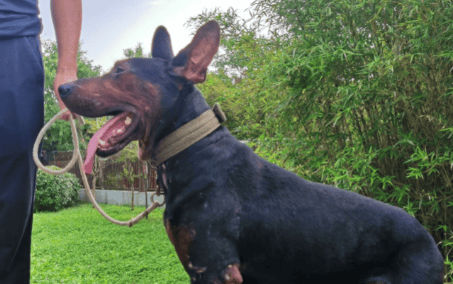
119,70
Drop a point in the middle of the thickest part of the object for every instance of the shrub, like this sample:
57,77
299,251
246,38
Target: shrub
112,182
54,192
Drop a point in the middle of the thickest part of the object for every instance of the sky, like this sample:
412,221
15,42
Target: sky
110,26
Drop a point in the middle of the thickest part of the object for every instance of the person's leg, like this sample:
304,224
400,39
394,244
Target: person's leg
21,118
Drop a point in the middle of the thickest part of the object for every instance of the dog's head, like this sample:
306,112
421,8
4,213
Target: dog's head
141,92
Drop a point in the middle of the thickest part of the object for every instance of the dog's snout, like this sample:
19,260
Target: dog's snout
65,90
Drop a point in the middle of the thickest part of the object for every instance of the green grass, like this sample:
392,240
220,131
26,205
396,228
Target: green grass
78,245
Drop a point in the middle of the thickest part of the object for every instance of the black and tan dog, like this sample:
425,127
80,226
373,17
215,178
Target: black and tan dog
232,216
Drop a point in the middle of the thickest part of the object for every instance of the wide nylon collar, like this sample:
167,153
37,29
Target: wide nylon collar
188,134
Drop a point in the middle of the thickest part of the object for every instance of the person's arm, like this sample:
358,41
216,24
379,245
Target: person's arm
67,21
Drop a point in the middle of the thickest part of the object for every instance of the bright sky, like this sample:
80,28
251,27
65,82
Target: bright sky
110,26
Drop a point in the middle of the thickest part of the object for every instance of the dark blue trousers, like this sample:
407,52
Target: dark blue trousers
21,118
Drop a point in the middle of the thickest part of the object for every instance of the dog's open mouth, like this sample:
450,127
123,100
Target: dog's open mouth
111,138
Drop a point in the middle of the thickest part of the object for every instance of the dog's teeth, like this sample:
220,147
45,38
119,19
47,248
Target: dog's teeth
101,142
128,120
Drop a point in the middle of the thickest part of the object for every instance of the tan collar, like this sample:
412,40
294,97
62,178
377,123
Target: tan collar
190,133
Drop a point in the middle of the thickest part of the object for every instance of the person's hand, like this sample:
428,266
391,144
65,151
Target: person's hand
61,78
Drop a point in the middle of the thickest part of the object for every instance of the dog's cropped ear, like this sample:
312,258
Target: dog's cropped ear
161,45
193,61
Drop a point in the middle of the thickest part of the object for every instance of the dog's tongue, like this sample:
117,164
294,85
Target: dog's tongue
104,133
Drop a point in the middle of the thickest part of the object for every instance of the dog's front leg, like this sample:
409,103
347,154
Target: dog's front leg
206,257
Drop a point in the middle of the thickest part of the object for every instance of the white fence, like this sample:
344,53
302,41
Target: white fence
120,197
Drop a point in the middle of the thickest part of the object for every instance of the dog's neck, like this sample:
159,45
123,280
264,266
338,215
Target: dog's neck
191,104
188,105
180,171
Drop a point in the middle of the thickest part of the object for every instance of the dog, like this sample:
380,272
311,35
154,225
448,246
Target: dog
232,216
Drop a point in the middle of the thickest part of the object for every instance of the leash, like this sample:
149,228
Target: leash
78,157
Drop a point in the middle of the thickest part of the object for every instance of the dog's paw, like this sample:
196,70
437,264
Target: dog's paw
232,275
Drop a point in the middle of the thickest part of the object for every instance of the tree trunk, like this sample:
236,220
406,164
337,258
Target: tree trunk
145,184
132,190
101,173
95,174
132,172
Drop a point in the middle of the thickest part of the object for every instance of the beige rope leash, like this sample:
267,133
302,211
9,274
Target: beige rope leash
78,157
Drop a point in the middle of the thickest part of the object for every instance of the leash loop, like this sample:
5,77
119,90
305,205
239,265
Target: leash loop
74,141
152,199
78,157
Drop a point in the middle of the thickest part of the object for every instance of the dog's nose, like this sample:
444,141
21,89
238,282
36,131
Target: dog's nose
64,90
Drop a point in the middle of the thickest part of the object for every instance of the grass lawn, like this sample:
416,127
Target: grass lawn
78,245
